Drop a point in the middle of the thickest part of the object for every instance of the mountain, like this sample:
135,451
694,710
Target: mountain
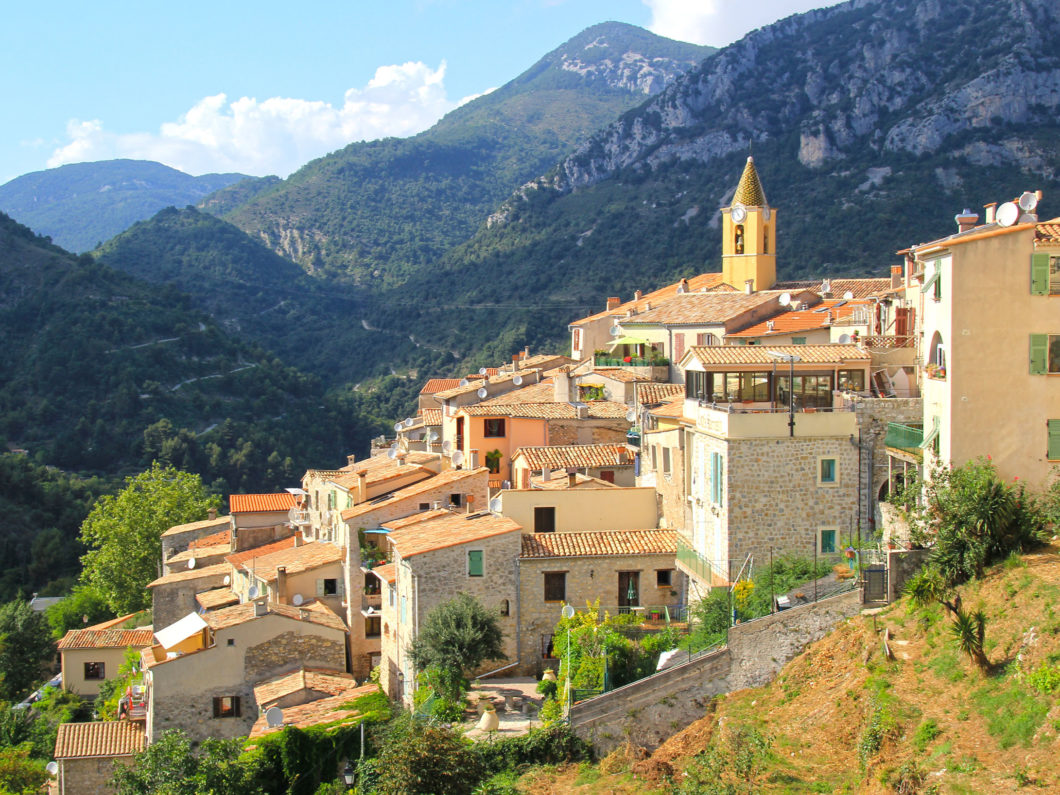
872,124
81,204
376,212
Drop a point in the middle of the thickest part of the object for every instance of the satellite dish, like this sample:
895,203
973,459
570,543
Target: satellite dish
191,563
398,426
1028,201
409,422
482,392
616,330
785,299
432,436
253,592
631,416
274,717
447,447
848,295
52,768
392,452
458,458
844,339
1007,214
227,580
297,600
567,612
482,371
464,382
518,380
495,505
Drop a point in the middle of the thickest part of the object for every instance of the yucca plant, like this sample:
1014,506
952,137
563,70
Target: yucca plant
969,633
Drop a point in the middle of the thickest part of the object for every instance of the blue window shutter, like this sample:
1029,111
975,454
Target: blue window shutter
1039,354
1040,273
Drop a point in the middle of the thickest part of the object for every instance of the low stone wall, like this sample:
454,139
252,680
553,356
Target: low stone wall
901,565
646,712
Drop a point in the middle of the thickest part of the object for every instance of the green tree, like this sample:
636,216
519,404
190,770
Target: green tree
170,767
19,773
969,634
417,757
456,638
123,533
26,649
70,613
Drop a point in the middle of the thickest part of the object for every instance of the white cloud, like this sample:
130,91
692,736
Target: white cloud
276,135
719,22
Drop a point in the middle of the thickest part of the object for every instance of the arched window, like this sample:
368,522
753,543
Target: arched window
765,239
738,239
937,351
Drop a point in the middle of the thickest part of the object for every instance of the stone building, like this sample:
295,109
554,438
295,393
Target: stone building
173,595
179,537
87,752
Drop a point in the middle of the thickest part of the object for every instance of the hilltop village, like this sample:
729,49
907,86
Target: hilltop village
695,431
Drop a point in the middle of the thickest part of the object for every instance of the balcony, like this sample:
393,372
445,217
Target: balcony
905,438
657,368
695,565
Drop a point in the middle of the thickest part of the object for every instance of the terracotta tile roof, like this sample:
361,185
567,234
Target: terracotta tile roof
314,611
114,622
100,738
759,354
653,394
438,385
598,410
237,559
218,597
296,559
106,638
449,531
861,288
604,542
474,385
559,481
380,468
416,518
314,713
216,570
1047,231
616,374
697,309
330,682
575,455
224,537
749,192
254,503
431,416
704,281
805,319
220,521
199,553
387,573
448,478
673,408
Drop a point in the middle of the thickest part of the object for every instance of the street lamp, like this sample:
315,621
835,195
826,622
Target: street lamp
568,613
348,774
790,358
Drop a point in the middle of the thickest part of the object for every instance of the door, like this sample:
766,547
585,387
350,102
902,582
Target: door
628,590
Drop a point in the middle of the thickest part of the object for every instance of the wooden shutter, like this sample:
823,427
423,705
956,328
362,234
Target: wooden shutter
320,587
679,347
1039,354
474,562
1053,453
1040,273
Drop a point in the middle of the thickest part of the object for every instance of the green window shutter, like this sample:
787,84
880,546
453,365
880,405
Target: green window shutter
1039,353
828,470
474,563
320,587
1053,453
1040,274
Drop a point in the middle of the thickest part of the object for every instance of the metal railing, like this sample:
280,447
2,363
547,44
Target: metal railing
704,570
634,361
904,437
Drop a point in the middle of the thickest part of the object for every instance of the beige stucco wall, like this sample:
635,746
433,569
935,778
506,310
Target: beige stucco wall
580,510
73,667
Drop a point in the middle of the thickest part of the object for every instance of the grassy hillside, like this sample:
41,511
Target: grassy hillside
844,717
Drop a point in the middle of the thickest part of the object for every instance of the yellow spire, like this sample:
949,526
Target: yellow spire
749,192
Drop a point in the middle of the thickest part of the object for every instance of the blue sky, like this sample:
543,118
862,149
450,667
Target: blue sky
262,87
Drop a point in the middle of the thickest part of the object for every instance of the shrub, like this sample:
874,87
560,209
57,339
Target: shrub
552,745
417,757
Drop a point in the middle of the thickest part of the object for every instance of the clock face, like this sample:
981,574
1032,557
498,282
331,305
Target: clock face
765,213
738,213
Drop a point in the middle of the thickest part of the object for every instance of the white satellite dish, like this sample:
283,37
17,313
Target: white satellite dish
297,600
616,330
495,505
482,392
398,426
681,289
52,768
518,380
253,592
482,371
392,452
567,612
1007,214
785,299
1028,201
848,295
191,563
432,436
631,416
447,447
458,458
227,580
409,422
274,717
464,382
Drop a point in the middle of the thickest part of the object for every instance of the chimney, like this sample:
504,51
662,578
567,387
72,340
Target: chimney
473,455
561,387
351,459
613,302
297,538
546,474
682,286
281,584
647,306
526,352
515,362
896,276
211,514
400,459
572,478
828,319
261,608
637,295
966,220
769,325
362,486
988,210
581,412
826,289
749,286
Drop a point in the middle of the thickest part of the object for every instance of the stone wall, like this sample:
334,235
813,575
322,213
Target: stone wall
672,496
291,650
589,431
192,712
180,541
901,565
650,710
873,414
170,602
88,776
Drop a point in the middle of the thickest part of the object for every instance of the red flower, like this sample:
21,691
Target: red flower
988,457
628,359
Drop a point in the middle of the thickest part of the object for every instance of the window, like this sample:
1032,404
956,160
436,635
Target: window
456,500
493,426
765,238
372,627
1053,445
1045,354
706,339
545,520
231,641
737,243
696,385
827,471
852,379
226,707
934,282
425,506
607,475
798,340
506,607
331,500
664,578
95,670
717,478
474,563
666,461
372,586
555,586
827,540
328,587
655,458
391,593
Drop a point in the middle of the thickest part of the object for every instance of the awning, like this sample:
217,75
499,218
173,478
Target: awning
924,445
180,630
378,531
627,341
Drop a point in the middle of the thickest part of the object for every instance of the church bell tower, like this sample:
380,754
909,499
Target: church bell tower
749,235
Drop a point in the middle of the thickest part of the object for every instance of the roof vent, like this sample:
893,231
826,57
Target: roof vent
261,608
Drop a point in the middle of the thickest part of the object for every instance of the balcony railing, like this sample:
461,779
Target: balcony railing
887,341
904,437
698,566
633,361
